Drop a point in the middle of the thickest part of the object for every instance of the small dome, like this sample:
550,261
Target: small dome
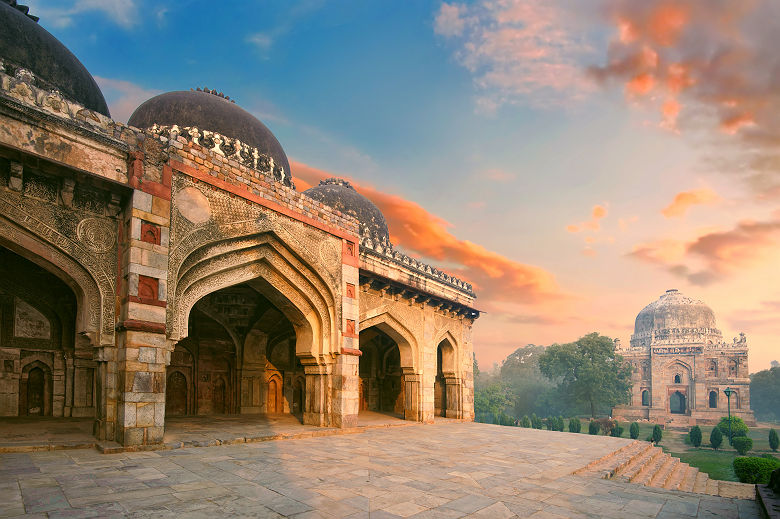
25,44
339,194
212,112
673,311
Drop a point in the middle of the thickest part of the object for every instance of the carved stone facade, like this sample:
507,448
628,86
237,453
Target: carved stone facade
682,366
177,271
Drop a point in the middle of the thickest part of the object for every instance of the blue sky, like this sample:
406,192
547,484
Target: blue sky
485,114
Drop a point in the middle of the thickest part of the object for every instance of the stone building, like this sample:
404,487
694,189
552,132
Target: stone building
169,267
682,366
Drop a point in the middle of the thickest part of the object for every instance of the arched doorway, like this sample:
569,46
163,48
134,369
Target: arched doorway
299,388
239,349
440,387
677,403
446,384
176,394
645,397
381,374
35,392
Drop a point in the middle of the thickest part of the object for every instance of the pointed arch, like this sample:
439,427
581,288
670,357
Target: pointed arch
450,353
407,343
94,291
274,271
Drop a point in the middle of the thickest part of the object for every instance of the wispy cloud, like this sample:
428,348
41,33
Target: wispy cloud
519,51
124,13
598,213
687,199
716,255
123,97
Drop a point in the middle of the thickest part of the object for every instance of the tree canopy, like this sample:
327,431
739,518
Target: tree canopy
588,371
764,391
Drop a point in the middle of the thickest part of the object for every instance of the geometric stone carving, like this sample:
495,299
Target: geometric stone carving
96,234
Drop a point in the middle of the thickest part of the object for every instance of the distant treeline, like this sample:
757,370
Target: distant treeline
765,394
585,377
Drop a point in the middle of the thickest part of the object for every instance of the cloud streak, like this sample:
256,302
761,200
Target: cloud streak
687,199
715,256
494,276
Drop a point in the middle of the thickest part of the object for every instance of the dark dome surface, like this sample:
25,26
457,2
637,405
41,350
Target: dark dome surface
339,194
208,111
25,44
673,310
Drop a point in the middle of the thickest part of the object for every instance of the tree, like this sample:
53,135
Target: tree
658,434
716,438
633,430
774,441
589,371
764,391
695,436
490,401
476,365
738,426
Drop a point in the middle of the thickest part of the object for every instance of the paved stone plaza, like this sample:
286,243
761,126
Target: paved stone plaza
443,470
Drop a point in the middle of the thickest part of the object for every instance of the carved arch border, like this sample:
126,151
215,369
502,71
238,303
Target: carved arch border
270,268
95,292
403,337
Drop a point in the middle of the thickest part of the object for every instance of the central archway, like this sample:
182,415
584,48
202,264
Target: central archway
677,403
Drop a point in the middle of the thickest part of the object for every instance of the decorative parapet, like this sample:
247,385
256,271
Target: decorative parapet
230,149
387,252
707,338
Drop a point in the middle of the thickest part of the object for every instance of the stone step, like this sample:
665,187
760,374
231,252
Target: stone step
630,471
676,476
650,468
662,475
604,467
689,479
712,487
616,464
700,485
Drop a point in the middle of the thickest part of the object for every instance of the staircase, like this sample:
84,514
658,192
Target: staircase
644,464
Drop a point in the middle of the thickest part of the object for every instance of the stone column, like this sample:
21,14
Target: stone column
413,408
454,401
317,404
346,399
69,385
105,393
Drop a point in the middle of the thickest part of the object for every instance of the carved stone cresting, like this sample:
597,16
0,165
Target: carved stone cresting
232,149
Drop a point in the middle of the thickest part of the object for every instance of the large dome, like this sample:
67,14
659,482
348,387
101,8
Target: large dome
211,112
25,44
339,194
674,311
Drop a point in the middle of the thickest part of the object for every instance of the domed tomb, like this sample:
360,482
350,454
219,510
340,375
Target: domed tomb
209,111
339,194
25,44
674,316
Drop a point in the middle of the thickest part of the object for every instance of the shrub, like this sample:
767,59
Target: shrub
549,423
743,444
525,421
716,438
695,436
774,441
561,424
755,470
633,431
593,427
658,434
738,426
617,431
536,422
606,425
574,425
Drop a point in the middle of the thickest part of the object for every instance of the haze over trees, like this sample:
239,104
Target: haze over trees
583,377
765,393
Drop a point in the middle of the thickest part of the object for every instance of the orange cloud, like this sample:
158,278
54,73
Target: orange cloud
597,213
412,227
686,199
713,256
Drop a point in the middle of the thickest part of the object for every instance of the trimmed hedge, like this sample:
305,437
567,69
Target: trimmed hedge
574,425
716,438
742,444
754,469
633,430
774,441
594,427
695,436
738,427
617,431
525,422
658,434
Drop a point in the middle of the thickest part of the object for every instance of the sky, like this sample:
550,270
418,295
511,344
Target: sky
573,159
